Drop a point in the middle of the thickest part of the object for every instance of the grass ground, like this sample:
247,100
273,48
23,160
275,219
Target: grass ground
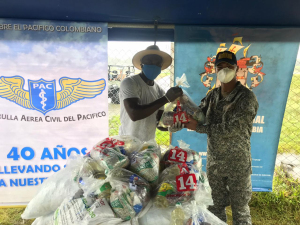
12,216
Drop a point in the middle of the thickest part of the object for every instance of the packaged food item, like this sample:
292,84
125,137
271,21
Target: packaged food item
146,164
172,114
97,189
151,144
44,220
177,184
167,119
110,158
157,216
129,143
181,154
199,215
203,194
79,211
130,193
121,201
90,169
187,103
177,216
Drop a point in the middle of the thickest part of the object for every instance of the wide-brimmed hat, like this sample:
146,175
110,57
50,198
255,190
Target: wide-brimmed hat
152,50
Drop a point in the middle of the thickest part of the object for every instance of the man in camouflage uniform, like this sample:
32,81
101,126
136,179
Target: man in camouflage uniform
229,110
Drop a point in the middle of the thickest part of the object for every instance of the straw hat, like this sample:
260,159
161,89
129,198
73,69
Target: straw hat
152,50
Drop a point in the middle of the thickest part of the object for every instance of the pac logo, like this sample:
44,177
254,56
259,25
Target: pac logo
42,95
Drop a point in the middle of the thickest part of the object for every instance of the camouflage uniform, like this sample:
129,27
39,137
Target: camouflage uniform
228,129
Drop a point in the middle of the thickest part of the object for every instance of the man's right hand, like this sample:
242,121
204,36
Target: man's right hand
173,93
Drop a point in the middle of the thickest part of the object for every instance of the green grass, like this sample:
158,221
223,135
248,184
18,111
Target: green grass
280,207
114,124
289,136
12,216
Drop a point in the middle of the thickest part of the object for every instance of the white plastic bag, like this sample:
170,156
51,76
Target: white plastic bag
110,158
145,163
167,118
129,143
90,169
53,191
157,216
44,220
181,154
79,211
187,104
96,189
177,184
129,195
203,194
199,215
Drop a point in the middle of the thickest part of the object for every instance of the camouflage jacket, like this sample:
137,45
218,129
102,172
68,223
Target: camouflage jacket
228,128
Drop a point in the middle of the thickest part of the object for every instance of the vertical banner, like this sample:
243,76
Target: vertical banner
53,99
266,60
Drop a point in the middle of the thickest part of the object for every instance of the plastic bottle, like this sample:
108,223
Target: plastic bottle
168,118
161,202
177,216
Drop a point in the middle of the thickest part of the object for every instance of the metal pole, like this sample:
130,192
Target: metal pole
155,30
135,25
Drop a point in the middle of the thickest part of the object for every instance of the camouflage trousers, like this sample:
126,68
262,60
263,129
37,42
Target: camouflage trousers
231,190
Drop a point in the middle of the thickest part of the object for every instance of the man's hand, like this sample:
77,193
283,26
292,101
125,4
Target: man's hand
192,124
173,93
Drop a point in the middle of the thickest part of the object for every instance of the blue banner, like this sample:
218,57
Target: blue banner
266,60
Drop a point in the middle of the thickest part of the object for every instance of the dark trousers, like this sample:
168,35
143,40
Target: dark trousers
231,190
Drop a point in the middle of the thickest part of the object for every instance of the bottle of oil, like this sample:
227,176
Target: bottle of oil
177,216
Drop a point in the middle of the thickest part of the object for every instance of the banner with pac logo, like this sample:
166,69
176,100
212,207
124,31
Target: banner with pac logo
53,99
265,60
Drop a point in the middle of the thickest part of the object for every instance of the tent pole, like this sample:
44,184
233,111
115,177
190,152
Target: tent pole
136,25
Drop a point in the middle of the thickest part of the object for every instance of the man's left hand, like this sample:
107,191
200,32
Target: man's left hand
192,124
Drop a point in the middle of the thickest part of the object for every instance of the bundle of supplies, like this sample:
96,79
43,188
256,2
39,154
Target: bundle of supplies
125,181
181,154
130,193
146,162
181,108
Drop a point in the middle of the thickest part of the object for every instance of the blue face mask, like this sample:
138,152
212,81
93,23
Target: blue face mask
151,71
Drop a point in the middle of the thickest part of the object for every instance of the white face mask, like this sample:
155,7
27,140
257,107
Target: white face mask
226,75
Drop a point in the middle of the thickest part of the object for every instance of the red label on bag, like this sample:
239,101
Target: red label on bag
178,106
109,143
180,117
177,155
186,182
184,169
